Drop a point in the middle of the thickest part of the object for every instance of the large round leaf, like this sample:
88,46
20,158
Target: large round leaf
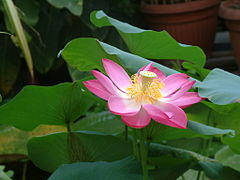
220,87
55,105
104,122
29,11
50,30
228,158
233,142
74,6
86,54
150,44
194,129
208,130
51,151
211,167
225,117
126,169
168,167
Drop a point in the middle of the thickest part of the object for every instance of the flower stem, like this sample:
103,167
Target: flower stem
199,175
24,170
135,145
126,132
143,153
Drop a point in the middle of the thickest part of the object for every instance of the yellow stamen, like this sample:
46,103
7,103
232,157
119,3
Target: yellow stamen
146,87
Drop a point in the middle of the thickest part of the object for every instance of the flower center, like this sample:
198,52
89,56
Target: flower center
146,87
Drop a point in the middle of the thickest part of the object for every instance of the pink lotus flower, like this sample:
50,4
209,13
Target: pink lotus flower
149,94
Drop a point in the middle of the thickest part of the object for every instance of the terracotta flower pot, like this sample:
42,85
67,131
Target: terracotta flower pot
232,21
191,23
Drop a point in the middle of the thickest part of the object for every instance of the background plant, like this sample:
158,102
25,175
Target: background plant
46,36
87,136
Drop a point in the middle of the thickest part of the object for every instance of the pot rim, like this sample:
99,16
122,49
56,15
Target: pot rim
229,13
178,8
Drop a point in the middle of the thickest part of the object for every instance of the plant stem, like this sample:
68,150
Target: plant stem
203,177
14,20
126,132
135,145
206,145
24,170
199,175
143,153
69,127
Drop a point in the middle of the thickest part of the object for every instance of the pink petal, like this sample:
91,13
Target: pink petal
167,114
107,84
96,87
139,120
117,74
173,83
187,99
180,92
151,68
123,106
